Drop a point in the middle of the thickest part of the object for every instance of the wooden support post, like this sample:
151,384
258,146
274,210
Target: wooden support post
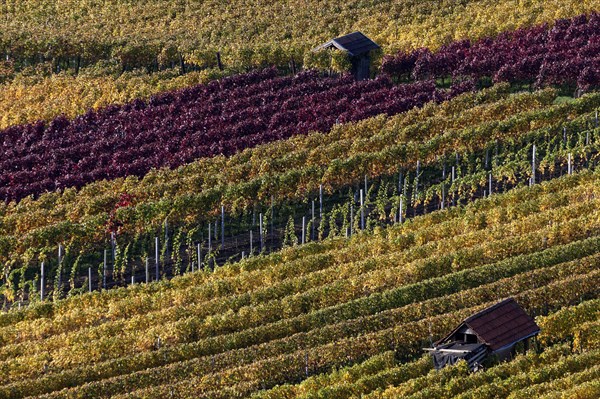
42,281
219,63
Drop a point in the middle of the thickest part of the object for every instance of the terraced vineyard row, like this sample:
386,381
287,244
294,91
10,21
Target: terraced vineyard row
296,164
399,284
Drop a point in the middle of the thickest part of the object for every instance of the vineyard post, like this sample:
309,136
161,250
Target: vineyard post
251,249
569,165
362,211
219,63
104,269
222,226
90,279
486,157
565,134
199,254
209,238
400,211
443,196
453,178
42,282
587,137
532,182
60,266
272,235
351,217
113,246
260,222
320,201
147,271
366,186
243,255
156,259
400,181
132,279
306,364
415,195
312,233
596,118
303,229
490,184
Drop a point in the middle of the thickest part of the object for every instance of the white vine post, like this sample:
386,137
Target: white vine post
90,278
320,201
569,165
260,222
104,267
351,217
222,226
147,271
42,282
156,257
209,238
532,181
251,249
400,211
366,186
303,229
362,211
199,255
60,268
490,183
312,227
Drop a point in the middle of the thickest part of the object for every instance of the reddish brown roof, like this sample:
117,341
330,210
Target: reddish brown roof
500,325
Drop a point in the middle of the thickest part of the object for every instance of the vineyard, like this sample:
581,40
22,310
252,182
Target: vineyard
195,204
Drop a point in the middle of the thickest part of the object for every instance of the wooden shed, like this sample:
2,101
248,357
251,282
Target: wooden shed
359,47
492,331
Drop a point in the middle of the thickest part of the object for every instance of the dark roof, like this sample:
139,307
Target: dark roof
500,325
355,44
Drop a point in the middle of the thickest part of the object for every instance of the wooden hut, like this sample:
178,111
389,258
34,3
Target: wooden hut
359,47
492,331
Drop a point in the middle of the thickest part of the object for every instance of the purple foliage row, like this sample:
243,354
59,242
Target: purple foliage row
567,53
174,128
